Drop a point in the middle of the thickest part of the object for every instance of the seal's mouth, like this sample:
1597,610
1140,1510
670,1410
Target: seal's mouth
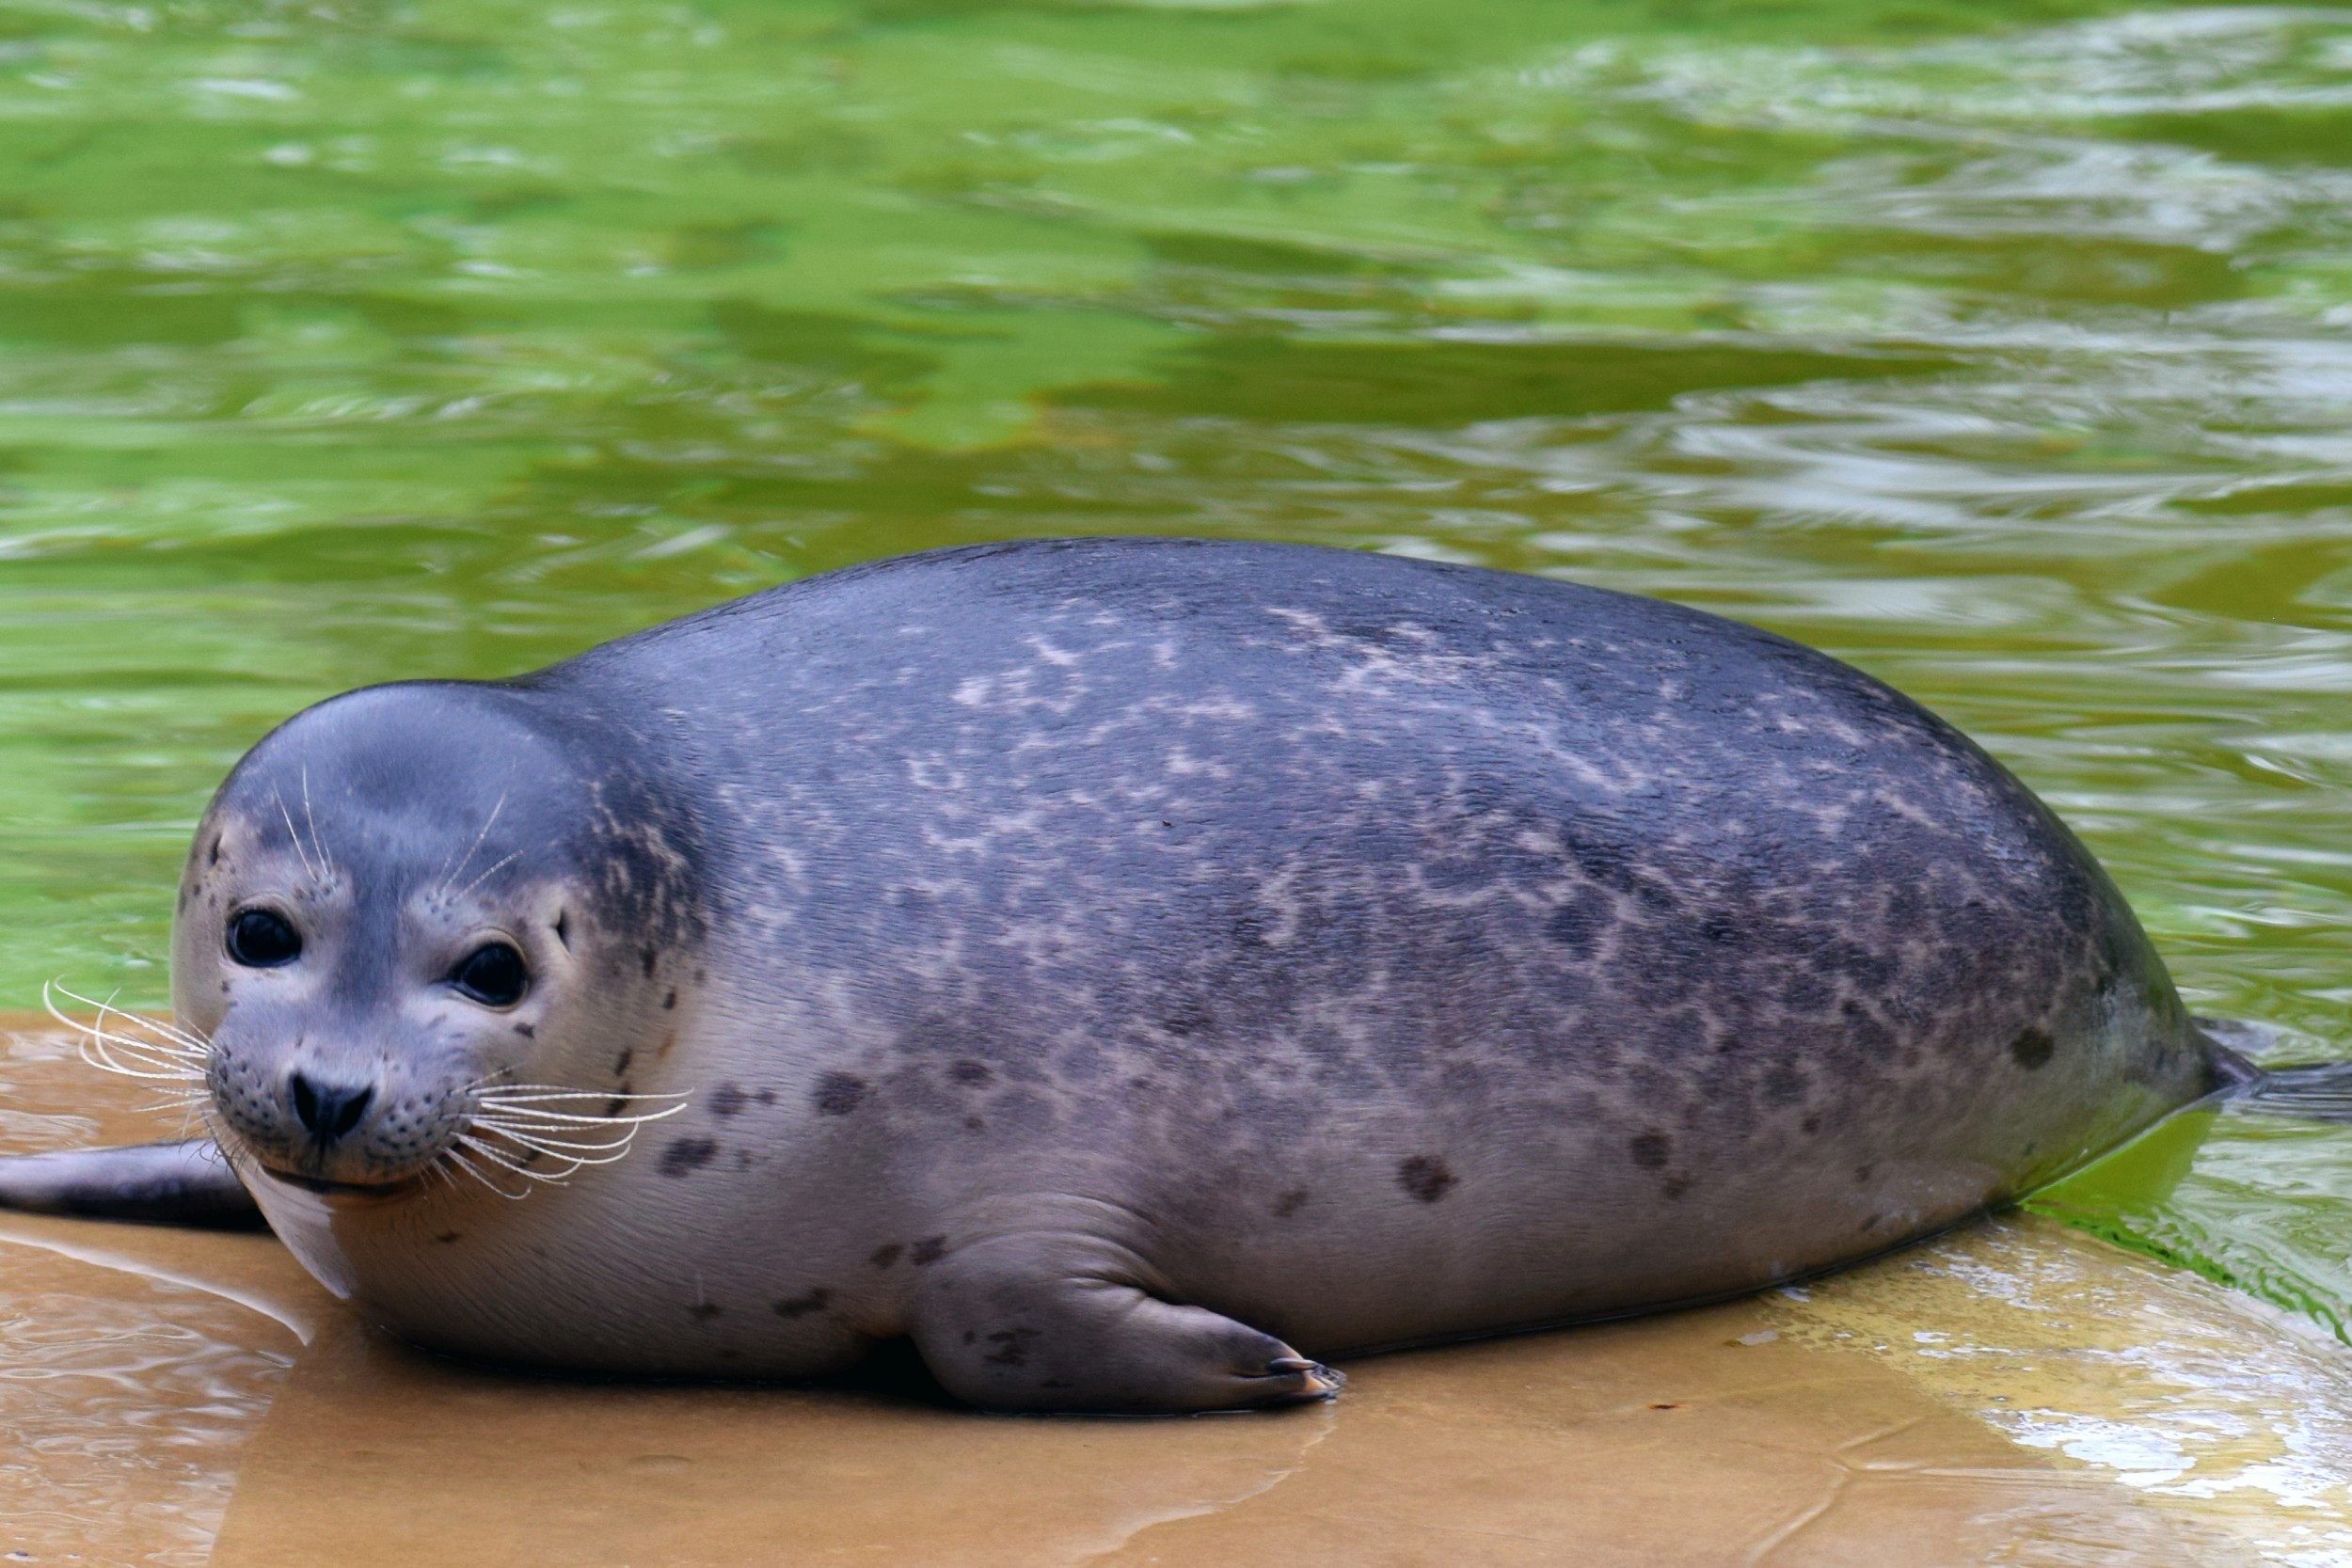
362,1191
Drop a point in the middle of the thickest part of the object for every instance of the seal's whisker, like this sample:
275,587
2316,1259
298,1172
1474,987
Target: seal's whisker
308,869
489,871
100,1054
498,1158
51,990
141,1047
318,843
136,1045
134,1059
565,1121
559,1091
546,1105
467,1163
555,1149
620,1132
491,821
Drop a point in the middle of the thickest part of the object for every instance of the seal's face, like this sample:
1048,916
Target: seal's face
412,923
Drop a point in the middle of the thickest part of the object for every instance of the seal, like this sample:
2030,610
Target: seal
1137,970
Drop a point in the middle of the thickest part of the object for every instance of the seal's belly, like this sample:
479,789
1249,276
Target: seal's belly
787,1251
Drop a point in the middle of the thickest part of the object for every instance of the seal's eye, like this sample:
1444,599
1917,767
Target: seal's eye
493,975
260,938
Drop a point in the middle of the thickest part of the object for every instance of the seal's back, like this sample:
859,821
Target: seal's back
1358,919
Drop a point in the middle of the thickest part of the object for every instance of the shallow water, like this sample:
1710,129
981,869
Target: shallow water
2003,348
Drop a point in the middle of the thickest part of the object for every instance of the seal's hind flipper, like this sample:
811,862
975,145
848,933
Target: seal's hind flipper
2321,1091
173,1183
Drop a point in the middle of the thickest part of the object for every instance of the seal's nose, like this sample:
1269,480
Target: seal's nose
330,1111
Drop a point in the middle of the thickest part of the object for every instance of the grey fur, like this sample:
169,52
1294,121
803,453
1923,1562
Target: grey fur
184,1182
1116,962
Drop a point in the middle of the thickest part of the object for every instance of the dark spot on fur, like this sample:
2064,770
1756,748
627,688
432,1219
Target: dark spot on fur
1013,1346
628,1055
766,1096
1289,1203
1571,925
614,1107
1668,1404
728,1100
448,1236
1862,1174
2033,1048
1605,863
971,1336
1186,1022
1249,931
1425,1177
838,1094
647,957
526,1031
1055,1382
211,856
931,1249
1675,1186
1719,929
689,1154
1651,1150
705,1310
1783,1085
1872,1223
975,1124
668,1002
970,1072
801,1307
885,1255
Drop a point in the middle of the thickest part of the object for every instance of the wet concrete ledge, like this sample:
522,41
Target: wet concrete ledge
2015,1393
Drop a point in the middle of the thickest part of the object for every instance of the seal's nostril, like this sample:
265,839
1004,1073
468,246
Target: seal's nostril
348,1115
329,1111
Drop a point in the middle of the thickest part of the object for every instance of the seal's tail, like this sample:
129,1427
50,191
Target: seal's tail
2321,1091
170,1184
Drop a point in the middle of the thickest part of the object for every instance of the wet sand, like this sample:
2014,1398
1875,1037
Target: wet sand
2015,1393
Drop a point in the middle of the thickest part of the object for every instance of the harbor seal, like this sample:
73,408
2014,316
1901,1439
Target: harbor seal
1140,971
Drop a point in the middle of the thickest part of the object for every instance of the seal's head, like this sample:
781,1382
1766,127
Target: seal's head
415,919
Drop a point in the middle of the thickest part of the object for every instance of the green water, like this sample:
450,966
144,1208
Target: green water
2004,349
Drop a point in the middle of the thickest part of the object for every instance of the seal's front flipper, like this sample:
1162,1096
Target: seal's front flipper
1001,1328
174,1183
